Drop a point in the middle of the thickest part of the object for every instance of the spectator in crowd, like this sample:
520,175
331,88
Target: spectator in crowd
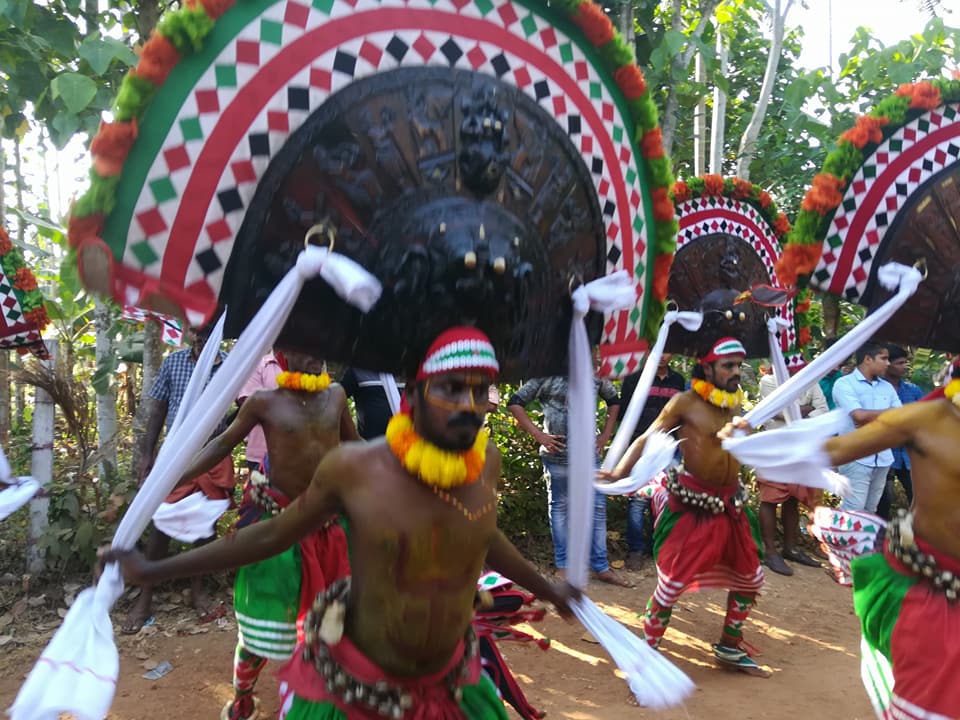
812,403
370,399
864,395
263,378
896,375
552,392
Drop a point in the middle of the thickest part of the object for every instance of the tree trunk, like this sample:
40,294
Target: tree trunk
103,319
626,24
152,356
748,143
830,305
4,396
41,468
20,402
718,127
671,109
700,122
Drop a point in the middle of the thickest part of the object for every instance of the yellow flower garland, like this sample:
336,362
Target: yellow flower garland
715,396
433,466
952,391
304,382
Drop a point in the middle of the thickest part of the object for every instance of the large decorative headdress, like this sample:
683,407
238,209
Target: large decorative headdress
889,192
24,316
480,157
727,249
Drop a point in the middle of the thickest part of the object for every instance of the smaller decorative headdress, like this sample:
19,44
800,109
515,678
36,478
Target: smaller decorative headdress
457,349
723,347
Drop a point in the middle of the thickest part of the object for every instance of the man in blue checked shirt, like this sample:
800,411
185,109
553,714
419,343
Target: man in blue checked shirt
864,394
896,375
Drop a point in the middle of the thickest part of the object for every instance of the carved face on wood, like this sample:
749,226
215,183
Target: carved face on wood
460,193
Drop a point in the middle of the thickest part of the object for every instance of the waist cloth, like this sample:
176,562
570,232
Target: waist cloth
332,681
698,548
916,627
271,597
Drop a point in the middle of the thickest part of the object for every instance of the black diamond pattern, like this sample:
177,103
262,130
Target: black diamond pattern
451,51
613,255
208,260
865,255
851,294
882,219
259,144
573,125
345,62
397,48
597,165
500,65
902,189
298,98
927,165
953,150
609,209
541,89
230,200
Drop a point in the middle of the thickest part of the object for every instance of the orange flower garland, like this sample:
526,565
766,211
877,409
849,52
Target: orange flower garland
433,466
630,81
303,382
867,129
5,243
923,95
594,23
824,195
26,280
713,185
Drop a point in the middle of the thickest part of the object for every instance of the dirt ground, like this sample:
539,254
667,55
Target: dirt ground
804,625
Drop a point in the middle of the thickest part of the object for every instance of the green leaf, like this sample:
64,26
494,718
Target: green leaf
101,52
63,127
74,89
84,535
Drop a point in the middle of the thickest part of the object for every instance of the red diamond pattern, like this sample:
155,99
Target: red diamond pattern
424,47
873,237
604,187
371,53
321,79
476,56
891,203
581,70
278,121
521,76
10,301
507,14
248,52
243,171
559,105
624,154
881,158
460,4
909,134
151,222
939,157
635,198
914,175
219,231
613,230
549,37
859,275
607,111
858,186
610,326
207,101
296,14
176,158
586,144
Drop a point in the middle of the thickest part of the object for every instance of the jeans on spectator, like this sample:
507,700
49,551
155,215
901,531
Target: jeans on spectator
556,476
638,538
867,483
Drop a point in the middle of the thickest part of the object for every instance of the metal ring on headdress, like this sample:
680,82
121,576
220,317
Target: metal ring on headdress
321,228
921,265
574,277
672,305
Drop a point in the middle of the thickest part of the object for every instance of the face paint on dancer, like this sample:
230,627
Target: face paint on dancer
449,397
721,365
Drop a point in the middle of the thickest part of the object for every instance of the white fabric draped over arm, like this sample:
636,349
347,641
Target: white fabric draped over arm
794,454
780,372
77,672
892,276
18,493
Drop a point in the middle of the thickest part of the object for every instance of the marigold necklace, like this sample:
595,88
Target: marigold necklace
952,391
715,396
442,469
304,382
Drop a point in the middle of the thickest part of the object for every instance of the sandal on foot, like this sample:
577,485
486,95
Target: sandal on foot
737,659
799,556
242,707
132,627
776,563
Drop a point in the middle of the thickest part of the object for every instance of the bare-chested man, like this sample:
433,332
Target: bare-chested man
906,594
302,421
704,535
421,506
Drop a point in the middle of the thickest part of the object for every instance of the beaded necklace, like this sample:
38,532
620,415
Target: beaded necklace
715,396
